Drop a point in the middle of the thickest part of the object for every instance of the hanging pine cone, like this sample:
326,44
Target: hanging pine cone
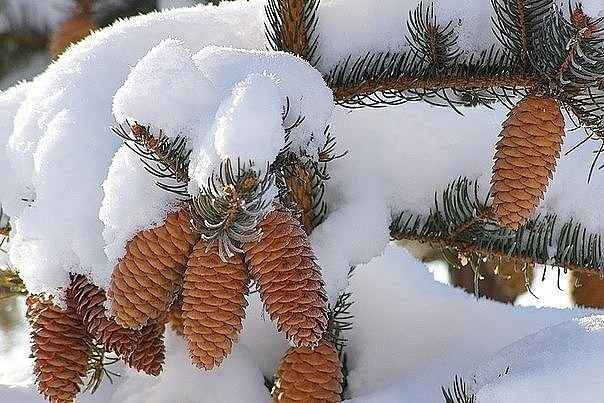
306,375
525,160
88,301
213,304
147,279
299,180
289,278
61,348
149,354
71,31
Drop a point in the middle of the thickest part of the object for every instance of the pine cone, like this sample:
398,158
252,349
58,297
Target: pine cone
61,348
289,278
147,279
299,180
88,301
71,31
526,156
213,304
150,353
306,375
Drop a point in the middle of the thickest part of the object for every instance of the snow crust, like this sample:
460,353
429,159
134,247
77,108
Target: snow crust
76,195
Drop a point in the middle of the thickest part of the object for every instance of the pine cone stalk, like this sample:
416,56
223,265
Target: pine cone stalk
61,348
213,304
530,143
306,375
285,268
145,282
88,301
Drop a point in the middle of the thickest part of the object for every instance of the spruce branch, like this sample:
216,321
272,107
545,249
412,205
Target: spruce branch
461,224
301,181
569,54
164,157
339,320
379,79
459,394
435,43
229,208
98,370
516,23
291,27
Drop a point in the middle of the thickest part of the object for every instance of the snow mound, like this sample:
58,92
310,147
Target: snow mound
545,366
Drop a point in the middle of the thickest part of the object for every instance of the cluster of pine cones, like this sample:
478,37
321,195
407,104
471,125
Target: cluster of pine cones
170,274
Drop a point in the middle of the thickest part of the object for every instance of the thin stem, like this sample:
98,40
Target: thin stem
348,92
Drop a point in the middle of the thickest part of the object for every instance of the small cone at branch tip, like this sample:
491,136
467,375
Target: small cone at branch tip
307,375
145,282
71,31
213,304
142,349
526,156
61,348
285,268
88,301
149,355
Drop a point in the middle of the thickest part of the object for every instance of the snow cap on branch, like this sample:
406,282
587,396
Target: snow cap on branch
166,91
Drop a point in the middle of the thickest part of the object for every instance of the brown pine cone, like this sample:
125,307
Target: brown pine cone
525,160
306,375
150,353
213,304
285,268
71,31
88,301
299,180
61,348
147,279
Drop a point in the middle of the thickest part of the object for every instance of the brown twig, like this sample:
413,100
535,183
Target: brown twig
467,247
348,92
484,214
143,134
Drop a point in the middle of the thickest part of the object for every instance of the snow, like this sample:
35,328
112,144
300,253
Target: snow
163,77
248,122
124,216
358,27
76,195
558,355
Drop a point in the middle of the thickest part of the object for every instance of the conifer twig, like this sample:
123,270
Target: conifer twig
350,92
291,26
